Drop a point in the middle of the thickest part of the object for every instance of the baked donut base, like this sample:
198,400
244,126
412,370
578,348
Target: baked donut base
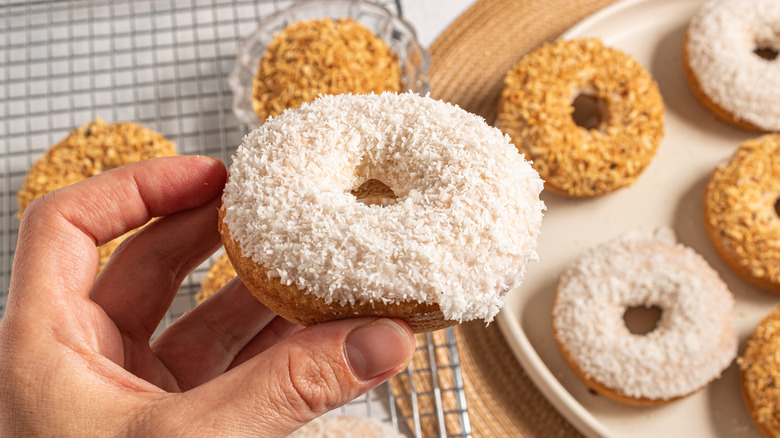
767,432
728,256
307,309
609,392
706,101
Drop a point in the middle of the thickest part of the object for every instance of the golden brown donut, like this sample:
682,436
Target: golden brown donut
760,375
323,56
536,106
90,149
740,212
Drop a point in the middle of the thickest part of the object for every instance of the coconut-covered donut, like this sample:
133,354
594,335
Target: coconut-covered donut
741,211
90,149
346,427
463,227
536,109
730,57
760,375
692,343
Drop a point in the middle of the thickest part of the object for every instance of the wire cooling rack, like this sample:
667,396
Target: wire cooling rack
164,65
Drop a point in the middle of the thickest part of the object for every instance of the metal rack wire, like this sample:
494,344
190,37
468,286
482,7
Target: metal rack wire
432,389
163,64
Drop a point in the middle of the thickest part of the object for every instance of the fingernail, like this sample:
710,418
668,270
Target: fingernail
378,347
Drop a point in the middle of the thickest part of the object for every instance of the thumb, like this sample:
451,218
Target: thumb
310,373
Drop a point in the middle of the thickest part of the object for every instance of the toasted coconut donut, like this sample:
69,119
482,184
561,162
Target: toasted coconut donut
536,108
458,238
326,56
218,275
760,375
724,66
740,211
89,150
693,342
346,427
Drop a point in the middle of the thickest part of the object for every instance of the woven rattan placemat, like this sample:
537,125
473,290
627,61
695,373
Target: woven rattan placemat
468,63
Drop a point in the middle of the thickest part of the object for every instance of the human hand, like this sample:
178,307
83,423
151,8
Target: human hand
75,356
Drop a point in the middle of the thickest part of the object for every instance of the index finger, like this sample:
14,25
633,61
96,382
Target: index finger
59,232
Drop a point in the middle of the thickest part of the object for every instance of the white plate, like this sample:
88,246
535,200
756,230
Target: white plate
669,193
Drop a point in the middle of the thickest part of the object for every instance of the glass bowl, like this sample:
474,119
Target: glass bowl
395,31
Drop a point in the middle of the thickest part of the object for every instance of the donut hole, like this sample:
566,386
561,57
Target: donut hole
766,52
590,111
374,192
641,320
777,206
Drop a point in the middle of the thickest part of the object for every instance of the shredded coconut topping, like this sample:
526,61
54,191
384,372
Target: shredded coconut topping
693,342
721,39
346,427
462,230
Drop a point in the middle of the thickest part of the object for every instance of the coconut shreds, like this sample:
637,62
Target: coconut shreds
462,230
346,427
760,366
693,342
314,57
740,202
721,39
536,111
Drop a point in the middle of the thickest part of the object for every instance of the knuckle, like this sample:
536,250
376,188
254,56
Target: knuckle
40,206
170,265
315,382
